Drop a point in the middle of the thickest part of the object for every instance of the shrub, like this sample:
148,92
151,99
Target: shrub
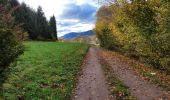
10,48
10,44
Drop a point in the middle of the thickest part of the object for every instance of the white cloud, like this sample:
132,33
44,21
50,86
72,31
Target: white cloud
50,7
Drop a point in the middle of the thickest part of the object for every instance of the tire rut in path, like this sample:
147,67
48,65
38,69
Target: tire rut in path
92,83
138,87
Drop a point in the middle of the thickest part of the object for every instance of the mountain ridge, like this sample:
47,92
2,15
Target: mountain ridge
73,35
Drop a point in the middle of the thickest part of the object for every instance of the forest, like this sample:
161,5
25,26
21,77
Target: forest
34,22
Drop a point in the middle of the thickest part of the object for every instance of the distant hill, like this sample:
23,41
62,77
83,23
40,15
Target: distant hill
73,35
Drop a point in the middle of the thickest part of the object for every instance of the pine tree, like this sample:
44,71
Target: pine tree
42,24
34,22
53,28
27,17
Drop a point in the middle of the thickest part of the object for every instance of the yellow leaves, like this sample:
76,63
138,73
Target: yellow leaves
139,27
7,86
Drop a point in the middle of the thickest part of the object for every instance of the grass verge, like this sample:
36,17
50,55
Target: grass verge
46,71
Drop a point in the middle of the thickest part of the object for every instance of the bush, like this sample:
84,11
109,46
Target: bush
10,48
10,43
139,29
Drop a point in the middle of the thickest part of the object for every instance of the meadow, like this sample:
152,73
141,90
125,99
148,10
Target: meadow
47,70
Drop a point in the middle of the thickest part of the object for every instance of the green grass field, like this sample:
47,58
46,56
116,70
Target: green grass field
46,71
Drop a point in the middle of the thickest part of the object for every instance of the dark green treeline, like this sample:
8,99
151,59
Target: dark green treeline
34,22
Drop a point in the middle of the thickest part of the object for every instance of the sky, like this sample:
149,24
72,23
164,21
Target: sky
71,15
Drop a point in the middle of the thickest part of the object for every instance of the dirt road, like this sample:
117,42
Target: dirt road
92,84
138,86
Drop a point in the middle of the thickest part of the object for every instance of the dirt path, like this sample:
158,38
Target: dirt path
92,84
137,85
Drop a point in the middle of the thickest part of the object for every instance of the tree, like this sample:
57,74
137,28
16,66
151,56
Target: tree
53,28
139,29
42,24
25,17
28,18
10,45
34,22
14,3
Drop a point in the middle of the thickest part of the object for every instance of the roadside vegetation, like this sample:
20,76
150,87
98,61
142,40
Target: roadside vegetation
138,29
47,70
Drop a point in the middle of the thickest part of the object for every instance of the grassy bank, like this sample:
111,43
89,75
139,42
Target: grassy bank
47,70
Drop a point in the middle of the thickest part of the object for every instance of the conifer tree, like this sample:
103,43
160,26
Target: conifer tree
53,27
42,24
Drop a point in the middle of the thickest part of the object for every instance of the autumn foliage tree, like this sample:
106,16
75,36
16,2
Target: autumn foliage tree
137,28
